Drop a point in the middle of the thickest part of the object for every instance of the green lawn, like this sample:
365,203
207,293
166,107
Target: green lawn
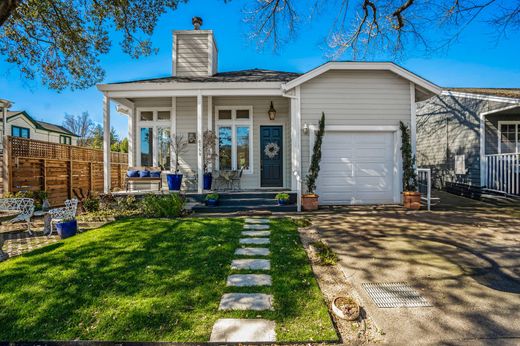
152,280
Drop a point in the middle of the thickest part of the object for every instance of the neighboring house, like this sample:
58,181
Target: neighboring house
21,124
363,103
470,137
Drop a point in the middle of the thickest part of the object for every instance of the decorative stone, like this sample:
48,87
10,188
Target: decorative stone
258,221
252,251
254,241
248,280
243,330
246,301
253,264
246,226
256,233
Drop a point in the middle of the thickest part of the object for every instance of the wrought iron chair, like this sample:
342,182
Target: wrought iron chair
64,213
235,179
24,205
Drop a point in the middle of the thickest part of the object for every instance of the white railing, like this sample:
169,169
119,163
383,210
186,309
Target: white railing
424,182
503,173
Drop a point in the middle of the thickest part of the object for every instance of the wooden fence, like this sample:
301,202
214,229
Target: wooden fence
58,169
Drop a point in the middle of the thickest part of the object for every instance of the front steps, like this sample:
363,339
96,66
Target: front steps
243,201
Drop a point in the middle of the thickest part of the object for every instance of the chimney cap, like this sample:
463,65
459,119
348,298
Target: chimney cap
197,22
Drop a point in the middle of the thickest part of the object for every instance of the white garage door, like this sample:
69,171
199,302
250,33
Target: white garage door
356,168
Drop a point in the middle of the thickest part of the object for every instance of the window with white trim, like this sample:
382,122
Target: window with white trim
235,138
509,137
153,136
65,140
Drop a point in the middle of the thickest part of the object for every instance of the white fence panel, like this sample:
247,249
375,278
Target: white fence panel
503,173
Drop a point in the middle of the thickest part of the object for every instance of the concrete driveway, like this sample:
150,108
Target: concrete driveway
466,262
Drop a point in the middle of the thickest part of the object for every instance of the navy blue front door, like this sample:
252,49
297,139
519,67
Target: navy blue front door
271,152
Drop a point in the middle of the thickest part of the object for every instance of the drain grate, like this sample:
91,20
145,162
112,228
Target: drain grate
395,295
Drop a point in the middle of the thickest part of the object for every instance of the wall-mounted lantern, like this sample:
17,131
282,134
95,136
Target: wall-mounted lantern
271,112
305,128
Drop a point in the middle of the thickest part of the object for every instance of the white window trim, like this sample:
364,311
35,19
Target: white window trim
234,123
155,123
517,130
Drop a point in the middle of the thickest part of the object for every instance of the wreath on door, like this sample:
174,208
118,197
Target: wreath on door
271,150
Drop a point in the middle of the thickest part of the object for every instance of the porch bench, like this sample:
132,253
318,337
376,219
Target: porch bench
143,177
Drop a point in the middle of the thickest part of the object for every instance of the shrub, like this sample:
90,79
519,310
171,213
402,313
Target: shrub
325,253
171,205
302,222
91,204
282,197
314,168
214,196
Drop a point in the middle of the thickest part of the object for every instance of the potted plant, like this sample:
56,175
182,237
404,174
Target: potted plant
310,199
212,199
282,198
411,197
178,146
209,143
67,228
345,308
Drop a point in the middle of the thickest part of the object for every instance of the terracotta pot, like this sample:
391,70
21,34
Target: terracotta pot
310,202
412,200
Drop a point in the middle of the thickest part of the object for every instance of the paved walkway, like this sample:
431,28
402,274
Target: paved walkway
254,245
15,244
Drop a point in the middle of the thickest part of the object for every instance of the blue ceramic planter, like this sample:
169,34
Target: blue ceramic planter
174,181
212,202
67,229
283,202
208,178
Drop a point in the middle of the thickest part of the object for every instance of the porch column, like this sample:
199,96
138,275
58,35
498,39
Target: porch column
210,125
413,120
131,136
106,143
173,131
296,146
200,164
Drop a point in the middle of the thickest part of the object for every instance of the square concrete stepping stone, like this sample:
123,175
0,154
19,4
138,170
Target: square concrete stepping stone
258,220
257,227
254,241
256,233
248,280
252,251
253,264
243,330
246,301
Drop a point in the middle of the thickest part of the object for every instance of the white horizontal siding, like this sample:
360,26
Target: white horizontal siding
192,55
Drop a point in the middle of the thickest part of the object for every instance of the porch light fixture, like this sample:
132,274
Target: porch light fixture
271,112
305,128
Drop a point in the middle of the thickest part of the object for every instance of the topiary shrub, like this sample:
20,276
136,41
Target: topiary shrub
409,174
314,169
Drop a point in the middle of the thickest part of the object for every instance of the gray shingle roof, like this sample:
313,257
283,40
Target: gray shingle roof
501,92
253,75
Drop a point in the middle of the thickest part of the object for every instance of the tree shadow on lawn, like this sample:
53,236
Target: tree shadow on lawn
134,280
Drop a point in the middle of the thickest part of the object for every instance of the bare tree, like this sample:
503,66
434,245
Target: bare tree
364,27
81,125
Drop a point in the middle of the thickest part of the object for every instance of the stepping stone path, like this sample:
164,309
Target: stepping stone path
248,330
254,241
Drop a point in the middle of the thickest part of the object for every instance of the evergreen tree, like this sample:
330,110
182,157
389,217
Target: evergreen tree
314,168
409,174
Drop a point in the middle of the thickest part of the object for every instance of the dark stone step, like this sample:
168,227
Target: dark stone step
231,209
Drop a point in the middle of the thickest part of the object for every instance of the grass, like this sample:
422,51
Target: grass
153,280
326,255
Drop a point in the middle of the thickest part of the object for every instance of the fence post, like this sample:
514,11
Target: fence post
90,180
44,175
71,178
6,167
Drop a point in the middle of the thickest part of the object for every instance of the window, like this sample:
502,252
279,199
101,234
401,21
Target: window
163,139
509,137
17,131
65,140
146,146
146,116
234,126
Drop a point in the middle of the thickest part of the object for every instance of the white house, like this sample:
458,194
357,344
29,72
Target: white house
363,103
21,124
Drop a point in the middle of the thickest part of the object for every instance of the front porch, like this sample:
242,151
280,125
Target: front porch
255,150
500,150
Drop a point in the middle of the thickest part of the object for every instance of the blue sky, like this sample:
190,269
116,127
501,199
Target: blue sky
476,60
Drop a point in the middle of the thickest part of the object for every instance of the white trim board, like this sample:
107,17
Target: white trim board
499,135
481,96
371,66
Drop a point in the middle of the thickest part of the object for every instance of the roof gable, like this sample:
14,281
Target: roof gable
41,125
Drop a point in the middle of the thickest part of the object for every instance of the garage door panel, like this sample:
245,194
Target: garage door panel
356,168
